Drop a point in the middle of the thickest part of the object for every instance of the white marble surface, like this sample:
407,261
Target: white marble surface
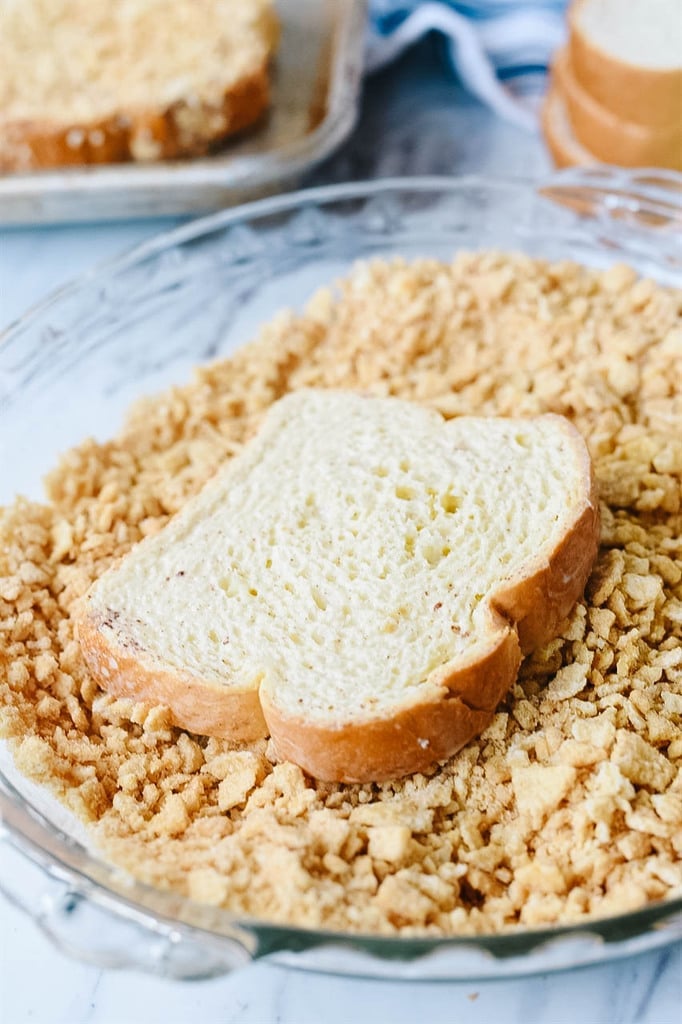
415,120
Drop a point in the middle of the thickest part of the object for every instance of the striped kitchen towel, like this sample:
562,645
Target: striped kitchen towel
492,45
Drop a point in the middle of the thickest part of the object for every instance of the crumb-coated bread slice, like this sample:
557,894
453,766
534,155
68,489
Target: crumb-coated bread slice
359,582
94,81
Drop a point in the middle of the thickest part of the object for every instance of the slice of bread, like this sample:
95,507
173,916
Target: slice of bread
86,81
558,134
628,56
360,583
608,137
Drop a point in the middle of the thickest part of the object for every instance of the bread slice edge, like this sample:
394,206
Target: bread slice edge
416,736
610,138
144,135
196,704
646,95
557,132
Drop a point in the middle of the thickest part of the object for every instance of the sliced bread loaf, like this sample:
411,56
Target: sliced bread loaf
628,57
360,583
608,137
87,81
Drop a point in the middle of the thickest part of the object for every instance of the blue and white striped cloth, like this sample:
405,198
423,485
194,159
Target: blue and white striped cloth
491,44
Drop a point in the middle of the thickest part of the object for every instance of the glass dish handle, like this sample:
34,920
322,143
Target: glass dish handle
97,935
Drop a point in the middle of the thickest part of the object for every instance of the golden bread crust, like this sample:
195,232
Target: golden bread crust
609,137
565,150
181,130
195,704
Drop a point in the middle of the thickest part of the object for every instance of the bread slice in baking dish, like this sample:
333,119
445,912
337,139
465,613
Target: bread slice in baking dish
91,81
359,582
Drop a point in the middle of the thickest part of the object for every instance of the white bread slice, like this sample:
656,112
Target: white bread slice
360,582
611,139
628,56
86,81
558,134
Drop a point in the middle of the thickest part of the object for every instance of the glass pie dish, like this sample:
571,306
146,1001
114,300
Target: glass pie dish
140,324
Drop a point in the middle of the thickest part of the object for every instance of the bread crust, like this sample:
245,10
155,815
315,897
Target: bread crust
643,95
183,129
610,138
565,150
456,702
461,703
539,599
195,704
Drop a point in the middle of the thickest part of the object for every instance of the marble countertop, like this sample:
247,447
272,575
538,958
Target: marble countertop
415,120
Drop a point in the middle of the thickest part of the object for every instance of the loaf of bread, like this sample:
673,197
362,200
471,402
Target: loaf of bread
608,137
90,82
616,90
628,56
565,149
359,583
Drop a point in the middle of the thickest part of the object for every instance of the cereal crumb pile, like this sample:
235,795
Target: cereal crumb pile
570,804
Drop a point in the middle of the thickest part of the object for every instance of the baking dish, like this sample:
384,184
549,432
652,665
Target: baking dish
140,324
316,79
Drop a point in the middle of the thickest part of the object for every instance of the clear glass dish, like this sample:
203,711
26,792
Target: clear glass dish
140,324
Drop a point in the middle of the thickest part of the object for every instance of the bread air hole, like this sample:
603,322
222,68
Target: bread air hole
450,504
432,554
435,553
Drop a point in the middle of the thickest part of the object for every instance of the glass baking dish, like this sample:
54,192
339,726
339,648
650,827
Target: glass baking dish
139,324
